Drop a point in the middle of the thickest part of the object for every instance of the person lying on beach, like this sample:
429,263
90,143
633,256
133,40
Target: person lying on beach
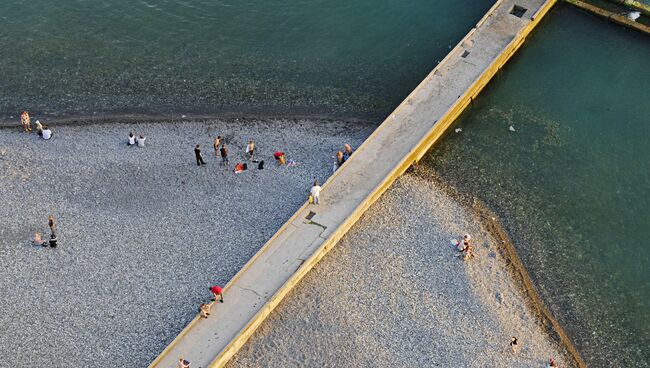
551,363
240,167
131,139
141,140
38,240
204,310
467,250
46,133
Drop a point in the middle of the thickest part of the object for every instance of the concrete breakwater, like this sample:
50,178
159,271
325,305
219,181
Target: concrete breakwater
402,139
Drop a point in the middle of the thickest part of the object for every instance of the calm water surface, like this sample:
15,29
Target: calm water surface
572,183
334,58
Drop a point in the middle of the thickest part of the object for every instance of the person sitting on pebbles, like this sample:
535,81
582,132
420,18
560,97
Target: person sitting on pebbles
464,248
38,240
131,139
47,133
141,140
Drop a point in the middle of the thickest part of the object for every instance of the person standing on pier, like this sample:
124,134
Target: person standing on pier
26,122
182,363
199,157
224,154
315,192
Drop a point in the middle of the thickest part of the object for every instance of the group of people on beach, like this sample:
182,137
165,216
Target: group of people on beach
43,131
38,240
133,139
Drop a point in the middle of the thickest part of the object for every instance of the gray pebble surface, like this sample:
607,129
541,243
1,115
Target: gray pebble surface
392,294
143,232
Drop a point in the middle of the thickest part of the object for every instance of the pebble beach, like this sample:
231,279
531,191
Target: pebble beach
143,232
392,293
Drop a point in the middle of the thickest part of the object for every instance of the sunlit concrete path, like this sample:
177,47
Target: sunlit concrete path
399,142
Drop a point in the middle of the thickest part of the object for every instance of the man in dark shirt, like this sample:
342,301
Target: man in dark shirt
197,153
224,154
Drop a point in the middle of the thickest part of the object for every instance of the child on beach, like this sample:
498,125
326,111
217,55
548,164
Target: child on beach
26,122
241,167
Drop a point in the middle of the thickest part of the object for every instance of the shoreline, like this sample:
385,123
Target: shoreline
516,267
86,120
490,221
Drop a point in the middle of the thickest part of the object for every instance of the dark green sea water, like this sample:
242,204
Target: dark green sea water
572,183
332,58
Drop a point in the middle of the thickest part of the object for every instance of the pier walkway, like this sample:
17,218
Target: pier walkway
402,139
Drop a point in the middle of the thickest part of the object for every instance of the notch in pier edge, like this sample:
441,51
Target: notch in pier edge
464,54
310,215
518,11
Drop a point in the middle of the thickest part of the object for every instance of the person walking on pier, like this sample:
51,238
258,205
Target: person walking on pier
217,293
197,153
26,122
224,154
182,363
315,192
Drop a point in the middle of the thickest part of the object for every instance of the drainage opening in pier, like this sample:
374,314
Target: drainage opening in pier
310,215
518,11
464,54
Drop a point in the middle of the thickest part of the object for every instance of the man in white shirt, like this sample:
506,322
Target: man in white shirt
141,140
47,133
315,192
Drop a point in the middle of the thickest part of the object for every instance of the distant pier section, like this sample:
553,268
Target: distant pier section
400,141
